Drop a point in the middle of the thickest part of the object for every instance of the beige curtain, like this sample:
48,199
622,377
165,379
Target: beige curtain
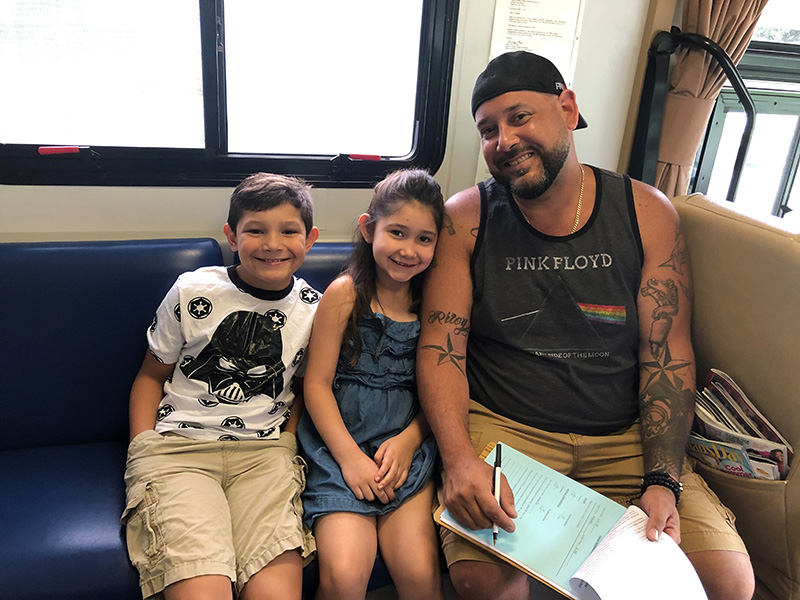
696,82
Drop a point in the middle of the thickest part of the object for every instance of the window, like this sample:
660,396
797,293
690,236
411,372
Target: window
771,71
205,92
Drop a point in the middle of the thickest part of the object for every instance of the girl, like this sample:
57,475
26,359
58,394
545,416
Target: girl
368,447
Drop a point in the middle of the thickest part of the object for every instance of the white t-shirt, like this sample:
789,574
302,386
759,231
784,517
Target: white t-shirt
235,348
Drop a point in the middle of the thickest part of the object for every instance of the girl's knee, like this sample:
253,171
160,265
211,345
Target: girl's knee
342,580
420,583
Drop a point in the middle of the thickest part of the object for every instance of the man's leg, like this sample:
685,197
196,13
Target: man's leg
710,541
725,574
613,466
476,574
476,580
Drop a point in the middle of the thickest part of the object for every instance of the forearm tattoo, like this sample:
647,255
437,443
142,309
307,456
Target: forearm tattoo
460,324
667,395
665,406
665,293
447,354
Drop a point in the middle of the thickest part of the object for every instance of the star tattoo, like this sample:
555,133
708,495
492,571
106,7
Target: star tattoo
667,370
447,353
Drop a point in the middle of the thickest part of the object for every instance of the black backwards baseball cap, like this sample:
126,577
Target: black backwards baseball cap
516,71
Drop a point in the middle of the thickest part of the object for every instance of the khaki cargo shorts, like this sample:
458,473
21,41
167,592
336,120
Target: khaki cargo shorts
612,465
198,507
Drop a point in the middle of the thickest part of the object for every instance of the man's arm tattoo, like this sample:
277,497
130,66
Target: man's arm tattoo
447,224
678,261
679,257
665,293
447,354
460,324
665,404
667,393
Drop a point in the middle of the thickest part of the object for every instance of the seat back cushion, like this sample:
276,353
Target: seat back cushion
74,317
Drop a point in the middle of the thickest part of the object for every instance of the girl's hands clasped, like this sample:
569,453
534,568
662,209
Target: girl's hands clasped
360,475
394,459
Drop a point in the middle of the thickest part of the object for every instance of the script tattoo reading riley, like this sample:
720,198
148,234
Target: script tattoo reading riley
460,324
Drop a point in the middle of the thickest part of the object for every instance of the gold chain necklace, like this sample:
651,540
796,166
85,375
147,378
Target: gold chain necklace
577,212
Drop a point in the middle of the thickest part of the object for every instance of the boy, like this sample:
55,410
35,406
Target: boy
213,477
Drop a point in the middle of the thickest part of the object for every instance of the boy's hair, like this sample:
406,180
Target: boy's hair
263,191
407,185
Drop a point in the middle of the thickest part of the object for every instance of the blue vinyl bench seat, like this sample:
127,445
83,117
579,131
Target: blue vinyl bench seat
73,316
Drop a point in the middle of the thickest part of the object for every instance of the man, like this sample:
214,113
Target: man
556,320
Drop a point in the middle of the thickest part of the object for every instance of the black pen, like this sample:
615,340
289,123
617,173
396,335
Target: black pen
497,472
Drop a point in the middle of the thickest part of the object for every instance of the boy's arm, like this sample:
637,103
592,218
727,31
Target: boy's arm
298,406
146,394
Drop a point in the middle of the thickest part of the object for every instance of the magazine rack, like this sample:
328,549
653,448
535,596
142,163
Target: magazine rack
745,322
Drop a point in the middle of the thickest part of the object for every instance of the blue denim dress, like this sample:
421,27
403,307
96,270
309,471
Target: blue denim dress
377,399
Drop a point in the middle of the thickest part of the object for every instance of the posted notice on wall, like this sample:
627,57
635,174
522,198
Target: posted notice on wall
547,27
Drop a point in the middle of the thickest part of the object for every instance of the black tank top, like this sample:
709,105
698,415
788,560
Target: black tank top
554,336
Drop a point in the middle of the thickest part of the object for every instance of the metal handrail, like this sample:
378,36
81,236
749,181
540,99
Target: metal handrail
666,42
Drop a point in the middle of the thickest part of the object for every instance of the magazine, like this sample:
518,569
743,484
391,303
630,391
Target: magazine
725,415
708,401
723,396
765,449
577,541
765,428
765,468
723,456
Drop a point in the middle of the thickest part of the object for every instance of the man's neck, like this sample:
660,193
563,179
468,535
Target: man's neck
553,213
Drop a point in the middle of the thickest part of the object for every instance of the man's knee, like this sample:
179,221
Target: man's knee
475,580
725,575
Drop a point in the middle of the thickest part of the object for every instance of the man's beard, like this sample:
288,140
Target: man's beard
527,188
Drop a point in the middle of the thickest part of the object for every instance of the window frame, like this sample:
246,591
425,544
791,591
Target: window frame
772,62
213,166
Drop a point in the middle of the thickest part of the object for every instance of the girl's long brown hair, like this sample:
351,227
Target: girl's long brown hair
408,185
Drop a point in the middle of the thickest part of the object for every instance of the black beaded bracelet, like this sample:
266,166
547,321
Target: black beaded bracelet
663,479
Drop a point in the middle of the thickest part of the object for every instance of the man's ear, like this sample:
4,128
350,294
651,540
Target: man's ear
569,108
367,227
230,234
311,237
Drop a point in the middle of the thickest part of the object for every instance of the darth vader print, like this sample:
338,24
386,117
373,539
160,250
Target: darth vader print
242,359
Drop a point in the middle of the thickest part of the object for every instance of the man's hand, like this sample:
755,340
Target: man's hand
468,496
659,504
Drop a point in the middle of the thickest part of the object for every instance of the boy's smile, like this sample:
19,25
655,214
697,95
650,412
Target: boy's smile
272,245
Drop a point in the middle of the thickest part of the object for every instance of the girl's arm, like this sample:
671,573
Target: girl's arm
359,470
146,394
395,454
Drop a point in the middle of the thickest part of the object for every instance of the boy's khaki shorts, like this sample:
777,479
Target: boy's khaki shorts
211,508
610,464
